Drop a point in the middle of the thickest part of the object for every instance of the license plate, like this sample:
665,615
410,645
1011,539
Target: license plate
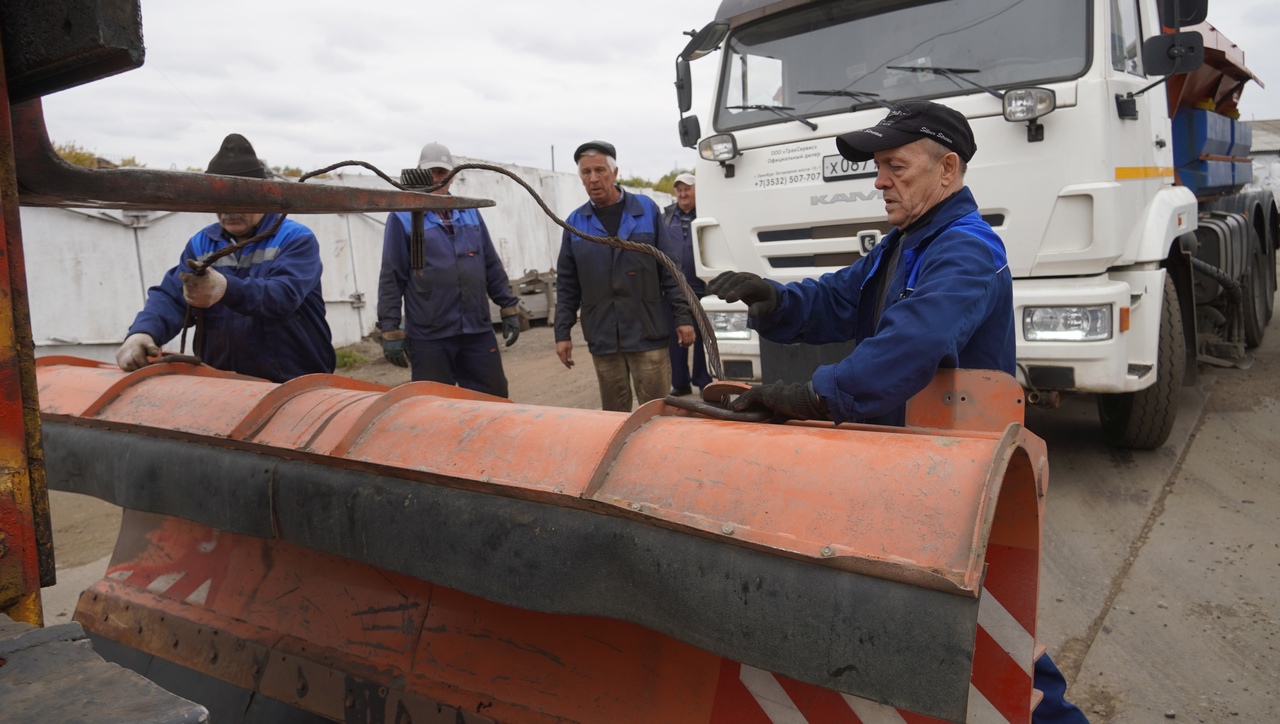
839,168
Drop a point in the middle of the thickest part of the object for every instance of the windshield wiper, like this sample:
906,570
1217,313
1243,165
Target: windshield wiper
783,111
856,95
951,74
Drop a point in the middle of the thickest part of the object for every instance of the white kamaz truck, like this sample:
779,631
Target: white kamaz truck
1109,160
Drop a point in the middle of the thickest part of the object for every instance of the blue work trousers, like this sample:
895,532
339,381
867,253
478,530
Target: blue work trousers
680,375
467,360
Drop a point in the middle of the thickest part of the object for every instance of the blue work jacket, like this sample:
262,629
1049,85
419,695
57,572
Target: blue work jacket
620,292
950,304
270,323
678,228
450,295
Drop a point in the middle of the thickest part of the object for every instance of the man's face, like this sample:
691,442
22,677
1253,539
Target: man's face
913,181
598,179
686,197
437,175
239,225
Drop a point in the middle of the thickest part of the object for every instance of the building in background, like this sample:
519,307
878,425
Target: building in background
86,289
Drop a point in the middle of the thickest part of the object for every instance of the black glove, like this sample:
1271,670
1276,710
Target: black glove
787,400
511,328
393,348
759,294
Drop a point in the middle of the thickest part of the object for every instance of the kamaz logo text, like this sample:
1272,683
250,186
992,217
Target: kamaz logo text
851,196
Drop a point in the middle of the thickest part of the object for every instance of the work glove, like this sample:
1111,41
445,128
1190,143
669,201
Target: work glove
759,295
787,401
135,351
510,325
202,290
393,348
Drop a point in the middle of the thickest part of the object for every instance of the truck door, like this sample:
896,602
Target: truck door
1132,141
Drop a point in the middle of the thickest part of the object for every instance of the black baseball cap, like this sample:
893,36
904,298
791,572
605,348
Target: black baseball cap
236,158
601,146
908,122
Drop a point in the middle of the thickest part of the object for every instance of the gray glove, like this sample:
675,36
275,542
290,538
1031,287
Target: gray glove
759,295
134,353
787,401
511,325
393,348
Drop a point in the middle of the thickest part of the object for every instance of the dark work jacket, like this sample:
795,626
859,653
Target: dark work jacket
450,296
270,323
950,304
678,229
620,292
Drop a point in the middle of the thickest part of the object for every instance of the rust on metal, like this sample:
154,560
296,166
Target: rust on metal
24,505
52,45
45,179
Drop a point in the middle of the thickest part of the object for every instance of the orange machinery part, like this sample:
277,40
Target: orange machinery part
956,495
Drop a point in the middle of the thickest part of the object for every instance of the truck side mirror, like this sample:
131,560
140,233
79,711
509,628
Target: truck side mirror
1183,13
684,85
690,131
706,40
1173,53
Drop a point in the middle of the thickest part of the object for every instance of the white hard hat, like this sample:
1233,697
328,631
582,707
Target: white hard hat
435,155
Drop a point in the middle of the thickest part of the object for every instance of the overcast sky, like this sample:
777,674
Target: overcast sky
311,82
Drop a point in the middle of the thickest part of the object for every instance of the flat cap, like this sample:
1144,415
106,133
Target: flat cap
601,146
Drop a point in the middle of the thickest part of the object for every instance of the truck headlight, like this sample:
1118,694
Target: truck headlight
1028,104
1066,324
720,147
729,325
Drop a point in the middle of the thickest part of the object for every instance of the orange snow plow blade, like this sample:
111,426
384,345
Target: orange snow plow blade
364,554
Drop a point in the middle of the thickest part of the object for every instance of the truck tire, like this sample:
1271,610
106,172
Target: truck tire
1142,420
1256,285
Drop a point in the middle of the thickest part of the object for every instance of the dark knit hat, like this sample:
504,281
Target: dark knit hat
236,158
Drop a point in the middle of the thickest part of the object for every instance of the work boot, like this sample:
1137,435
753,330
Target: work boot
681,391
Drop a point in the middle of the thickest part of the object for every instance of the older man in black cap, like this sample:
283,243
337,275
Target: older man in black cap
619,292
935,292
260,310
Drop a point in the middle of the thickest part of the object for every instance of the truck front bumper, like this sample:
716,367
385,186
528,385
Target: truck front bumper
1124,363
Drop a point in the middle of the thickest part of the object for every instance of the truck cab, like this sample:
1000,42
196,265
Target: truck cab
1075,166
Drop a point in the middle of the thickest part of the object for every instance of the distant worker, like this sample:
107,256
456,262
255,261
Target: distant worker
677,217
262,309
935,292
620,292
447,335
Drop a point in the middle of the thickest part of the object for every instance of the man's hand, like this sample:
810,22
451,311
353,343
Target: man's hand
134,352
203,290
511,325
564,350
759,294
787,400
393,348
686,335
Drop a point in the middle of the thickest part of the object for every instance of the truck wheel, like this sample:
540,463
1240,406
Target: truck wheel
1142,420
1256,286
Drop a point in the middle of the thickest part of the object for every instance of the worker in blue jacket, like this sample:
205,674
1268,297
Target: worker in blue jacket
447,334
678,218
935,292
260,311
620,292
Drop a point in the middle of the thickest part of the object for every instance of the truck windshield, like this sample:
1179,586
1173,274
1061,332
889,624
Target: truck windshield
832,57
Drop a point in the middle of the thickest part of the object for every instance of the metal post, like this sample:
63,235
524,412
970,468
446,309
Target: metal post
26,535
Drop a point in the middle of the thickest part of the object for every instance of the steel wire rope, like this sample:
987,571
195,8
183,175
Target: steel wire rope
699,314
199,266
